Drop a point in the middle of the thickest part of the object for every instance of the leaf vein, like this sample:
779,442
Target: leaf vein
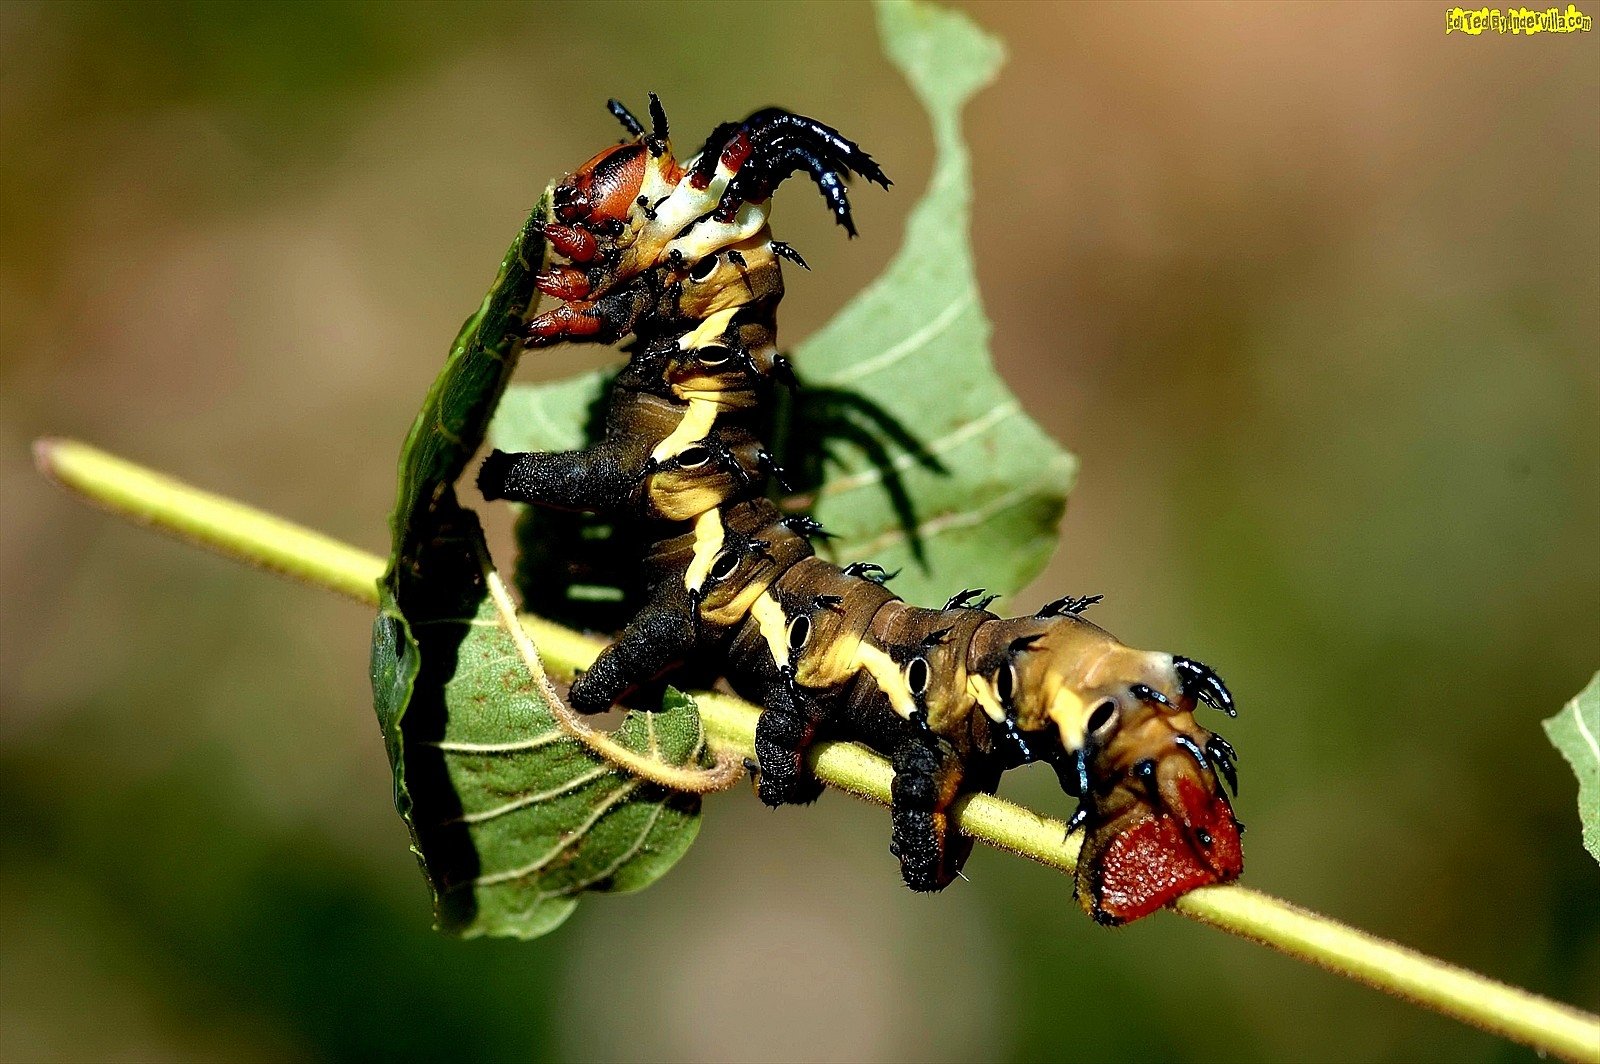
611,869
911,344
941,523
534,799
1583,730
542,739
575,835
957,436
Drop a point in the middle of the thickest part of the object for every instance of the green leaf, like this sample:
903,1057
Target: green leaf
510,817
986,486
1575,731
915,452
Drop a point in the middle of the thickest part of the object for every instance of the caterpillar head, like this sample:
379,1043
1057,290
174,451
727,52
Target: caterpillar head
601,209
633,207
1119,727
602,193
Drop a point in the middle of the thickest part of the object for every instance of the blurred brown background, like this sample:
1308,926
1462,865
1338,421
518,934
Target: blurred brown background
1313,291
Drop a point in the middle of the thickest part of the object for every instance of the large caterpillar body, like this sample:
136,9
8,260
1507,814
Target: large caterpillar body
681,256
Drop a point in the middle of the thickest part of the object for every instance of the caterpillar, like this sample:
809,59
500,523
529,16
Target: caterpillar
680,256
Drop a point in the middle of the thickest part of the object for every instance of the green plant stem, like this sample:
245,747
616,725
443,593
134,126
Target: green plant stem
256,538
229,528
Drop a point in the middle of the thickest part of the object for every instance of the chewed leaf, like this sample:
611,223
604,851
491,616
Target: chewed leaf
511,817
916,454
930,465
1575,731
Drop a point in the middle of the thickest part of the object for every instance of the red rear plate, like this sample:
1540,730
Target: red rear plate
1156,860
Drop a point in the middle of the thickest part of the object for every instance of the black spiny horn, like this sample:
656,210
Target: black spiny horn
777,125
1067,605
963,599
620,112
784,251
1146,693
1201,681
806,525
1194,750
761,176
1223,757
657,140
782,143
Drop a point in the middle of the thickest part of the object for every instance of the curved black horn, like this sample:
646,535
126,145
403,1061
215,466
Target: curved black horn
1201,681
620,112
658,119
782,143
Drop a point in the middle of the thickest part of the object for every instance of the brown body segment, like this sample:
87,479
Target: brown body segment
837,611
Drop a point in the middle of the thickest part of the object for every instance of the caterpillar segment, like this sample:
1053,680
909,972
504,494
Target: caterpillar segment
681,258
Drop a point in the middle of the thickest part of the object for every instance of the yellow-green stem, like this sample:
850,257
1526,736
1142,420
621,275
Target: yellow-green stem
256,538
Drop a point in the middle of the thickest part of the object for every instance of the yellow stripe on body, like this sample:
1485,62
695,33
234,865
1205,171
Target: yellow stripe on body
769,616
708,332
695,426
1070,714
890,679
982,690
707,545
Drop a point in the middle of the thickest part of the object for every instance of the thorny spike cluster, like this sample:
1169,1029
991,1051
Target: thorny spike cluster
681,256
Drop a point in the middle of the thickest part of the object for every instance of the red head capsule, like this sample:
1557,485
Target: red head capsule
603,189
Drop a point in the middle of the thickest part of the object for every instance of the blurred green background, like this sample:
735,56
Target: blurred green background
1314,292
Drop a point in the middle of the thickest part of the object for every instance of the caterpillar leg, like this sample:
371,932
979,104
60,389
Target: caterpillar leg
602,478
604,320
926,780
784,732
659,637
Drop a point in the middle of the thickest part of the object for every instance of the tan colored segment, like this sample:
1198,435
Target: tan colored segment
827,661
941,638
727,605
728,602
